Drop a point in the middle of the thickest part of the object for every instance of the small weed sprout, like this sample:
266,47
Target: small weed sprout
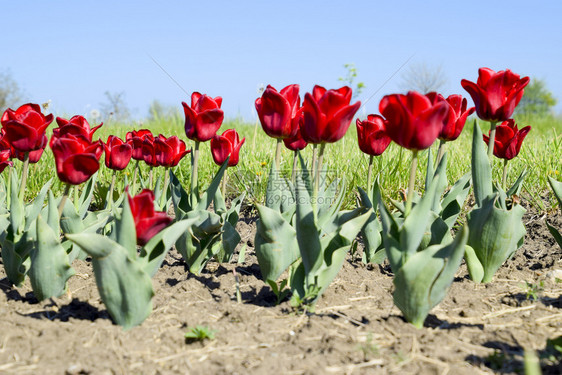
532,290
200,333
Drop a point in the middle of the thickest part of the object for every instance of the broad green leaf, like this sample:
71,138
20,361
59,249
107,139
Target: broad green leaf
555,233
126,234
17,211
180,198
307,231
52,215
50,267
86,196
515,189
557,189
371,232
475,269
276,243
453,200
209,194
33,210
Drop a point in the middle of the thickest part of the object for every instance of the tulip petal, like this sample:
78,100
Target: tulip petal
78,168
338,125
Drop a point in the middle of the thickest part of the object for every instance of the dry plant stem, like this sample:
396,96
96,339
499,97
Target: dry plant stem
64,198
237,281
492,140
24,176
195,153
411,182
440,152
278,154
370,171
293,172
504,176
135,173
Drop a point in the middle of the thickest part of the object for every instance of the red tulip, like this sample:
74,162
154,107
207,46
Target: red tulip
148,154
117,153
296,142
25,127
169,151
5,155
327,114
136,138
277,111
371,135
225,145
77,125
413,121
508,139
76,159
203,118
148,222
456,119
495,94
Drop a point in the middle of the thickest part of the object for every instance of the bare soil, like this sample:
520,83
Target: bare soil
356,328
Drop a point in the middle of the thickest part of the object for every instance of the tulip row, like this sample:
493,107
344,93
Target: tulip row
301,226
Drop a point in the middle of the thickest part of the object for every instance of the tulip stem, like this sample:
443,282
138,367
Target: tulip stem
64,198
411,183
164,196
135,173
76,197
370,172
293,172
150,178
504,177
24,176
278,154
440,152
492,140
255,135
111,187
195,160
318,169
314,158
223,183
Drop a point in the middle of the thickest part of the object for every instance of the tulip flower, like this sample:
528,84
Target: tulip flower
495,94
25,127
148,222
169,151
117,153
456,119
5,159
76,159
277,111
327,114
203,118
225,145
371,135
508,139
372,139
295,143
136,139
413,121
77,125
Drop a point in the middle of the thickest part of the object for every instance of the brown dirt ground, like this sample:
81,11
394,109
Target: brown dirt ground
355,330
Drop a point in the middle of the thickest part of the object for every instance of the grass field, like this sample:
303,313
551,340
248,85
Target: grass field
541,155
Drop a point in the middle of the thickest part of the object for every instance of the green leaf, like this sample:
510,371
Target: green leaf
33,210
52,214
453,200
50,267
126,234
276,243
180,198
557,189
307,231
515,189
481,169
495,234
229,240
86,196
555,233
371,231
96,245
475,269
209,194
17,211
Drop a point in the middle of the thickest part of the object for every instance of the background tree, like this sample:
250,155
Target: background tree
115,107
423,78
350,77
158,111
537,100
11,94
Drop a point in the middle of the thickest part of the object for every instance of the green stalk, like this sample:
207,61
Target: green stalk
223,183
492,140
370,172
314,159
278,154
111,187
293,172
150,178
9,188
165,190
319,167
64,198
135,173
504,177
440,152
194,185
411,183
76,197
24,176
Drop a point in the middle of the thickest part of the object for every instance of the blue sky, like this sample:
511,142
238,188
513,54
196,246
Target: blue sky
72,52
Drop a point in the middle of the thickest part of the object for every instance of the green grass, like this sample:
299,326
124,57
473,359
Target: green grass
541,155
